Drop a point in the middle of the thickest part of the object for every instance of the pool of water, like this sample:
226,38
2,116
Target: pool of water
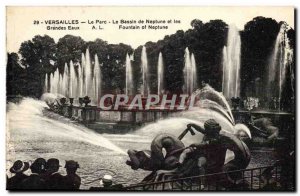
34,133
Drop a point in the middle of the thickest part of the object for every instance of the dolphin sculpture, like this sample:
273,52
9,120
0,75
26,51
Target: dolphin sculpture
210,104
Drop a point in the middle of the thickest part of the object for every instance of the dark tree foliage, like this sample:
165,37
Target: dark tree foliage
113,68
136,68
173,53
100,48
288,95
288,89
69,48
206,41
38,57
258,39
291,37
153,50
16,76
112,58
207,45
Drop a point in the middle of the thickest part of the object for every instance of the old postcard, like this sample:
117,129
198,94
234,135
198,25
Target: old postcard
150,98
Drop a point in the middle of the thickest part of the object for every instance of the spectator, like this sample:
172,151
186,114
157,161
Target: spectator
34,181
54,180
42,163
14,183
71,181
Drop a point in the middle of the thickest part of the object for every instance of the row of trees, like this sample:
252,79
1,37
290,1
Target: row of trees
42,55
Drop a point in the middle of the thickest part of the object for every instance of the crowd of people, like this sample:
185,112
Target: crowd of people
44,175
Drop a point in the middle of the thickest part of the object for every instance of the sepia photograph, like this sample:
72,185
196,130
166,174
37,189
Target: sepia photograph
150,98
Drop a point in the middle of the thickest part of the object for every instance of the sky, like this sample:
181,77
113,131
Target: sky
20,21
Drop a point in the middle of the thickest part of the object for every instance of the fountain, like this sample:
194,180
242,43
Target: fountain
78,80
189,73
72,80
88,73
128,72
231,64
65,81
81,75
160,75
54,82
145,78
97,81
194,79
280,61
46,83
50,128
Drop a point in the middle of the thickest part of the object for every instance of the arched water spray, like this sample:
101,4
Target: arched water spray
145,85
231,64
27,122
210,105
129,82
160,75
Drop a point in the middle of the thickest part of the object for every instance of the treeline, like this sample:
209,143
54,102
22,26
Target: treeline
41,55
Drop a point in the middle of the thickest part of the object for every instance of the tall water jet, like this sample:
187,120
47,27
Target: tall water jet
46,84
132,56
231,64
51,82
224,65
78,80
88,72
280,61
128,72
65,81
160,75
72,80
55,82
59,83
145,85
194,79
186,71
189,72
81,70
97,81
